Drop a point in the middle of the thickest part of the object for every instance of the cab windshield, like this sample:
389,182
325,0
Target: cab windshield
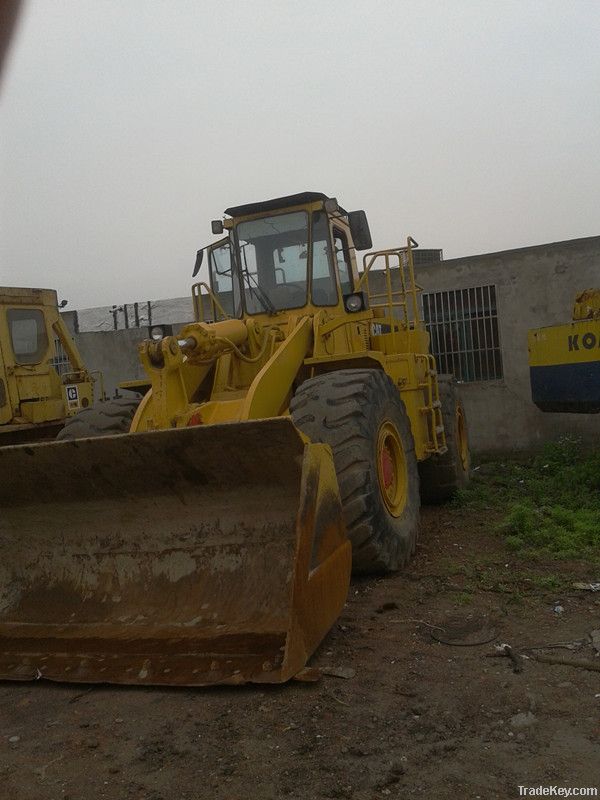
272,253
267,260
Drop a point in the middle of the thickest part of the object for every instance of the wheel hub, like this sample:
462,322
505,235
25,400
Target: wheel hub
391,469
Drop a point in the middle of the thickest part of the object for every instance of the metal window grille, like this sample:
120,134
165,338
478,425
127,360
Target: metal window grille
61,362
463,326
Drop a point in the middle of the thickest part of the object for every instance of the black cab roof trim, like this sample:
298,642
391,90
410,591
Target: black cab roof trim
278,202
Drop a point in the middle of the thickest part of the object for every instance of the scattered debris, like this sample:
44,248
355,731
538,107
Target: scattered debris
507,650
387,607
14,739
77,697
595,637
418,622
575,644
338,700
587,587
523,720
338,672
396,771
558,609
547,658
41,771
308,675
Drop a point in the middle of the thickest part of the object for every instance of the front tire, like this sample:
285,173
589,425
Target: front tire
101,419
359,413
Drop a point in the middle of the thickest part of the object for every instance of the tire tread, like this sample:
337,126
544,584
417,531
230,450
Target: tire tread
337,408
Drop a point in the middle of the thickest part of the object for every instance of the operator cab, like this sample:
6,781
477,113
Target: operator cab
286,253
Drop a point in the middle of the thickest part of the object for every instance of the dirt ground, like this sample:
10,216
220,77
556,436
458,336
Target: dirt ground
419,718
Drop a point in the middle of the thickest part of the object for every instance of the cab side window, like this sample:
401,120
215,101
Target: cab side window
342,257
222,281
28,334
324,287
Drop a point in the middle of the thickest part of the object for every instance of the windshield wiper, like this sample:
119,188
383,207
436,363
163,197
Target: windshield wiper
263,298
258,292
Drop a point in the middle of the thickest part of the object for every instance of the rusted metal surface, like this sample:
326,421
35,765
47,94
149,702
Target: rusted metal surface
209,555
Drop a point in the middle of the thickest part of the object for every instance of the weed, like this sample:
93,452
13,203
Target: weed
550,503
464,598
547,581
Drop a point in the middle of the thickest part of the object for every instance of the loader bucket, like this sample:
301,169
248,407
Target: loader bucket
207,555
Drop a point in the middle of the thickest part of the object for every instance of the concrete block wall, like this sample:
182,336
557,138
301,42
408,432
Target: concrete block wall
113,353
131,315
536,286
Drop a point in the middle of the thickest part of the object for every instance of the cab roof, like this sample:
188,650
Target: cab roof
302,198
16,295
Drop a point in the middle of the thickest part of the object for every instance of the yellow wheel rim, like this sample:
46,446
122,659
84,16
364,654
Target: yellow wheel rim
463,442
391,469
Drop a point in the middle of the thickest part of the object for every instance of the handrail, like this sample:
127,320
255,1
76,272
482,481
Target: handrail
432,407
401,260
198,302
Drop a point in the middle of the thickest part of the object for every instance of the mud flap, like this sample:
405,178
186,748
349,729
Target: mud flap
208,555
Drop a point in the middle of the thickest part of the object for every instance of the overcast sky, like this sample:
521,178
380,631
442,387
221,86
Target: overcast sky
128,126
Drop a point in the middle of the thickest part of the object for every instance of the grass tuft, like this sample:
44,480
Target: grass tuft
551,502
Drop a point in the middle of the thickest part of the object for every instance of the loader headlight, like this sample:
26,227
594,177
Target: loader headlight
354,302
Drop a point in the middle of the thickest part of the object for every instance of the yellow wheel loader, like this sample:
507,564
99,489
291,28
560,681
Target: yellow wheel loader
35,399
564,360
278,446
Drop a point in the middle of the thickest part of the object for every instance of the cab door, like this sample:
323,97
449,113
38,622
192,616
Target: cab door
6,413
32,385
223,281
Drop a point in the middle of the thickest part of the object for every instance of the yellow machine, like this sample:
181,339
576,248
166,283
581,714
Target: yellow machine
278,445
564,360
34,399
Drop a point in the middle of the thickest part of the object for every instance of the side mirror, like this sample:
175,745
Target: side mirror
217,226
359,228
331,205
198,264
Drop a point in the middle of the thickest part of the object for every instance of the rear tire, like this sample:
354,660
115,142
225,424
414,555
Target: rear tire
442,476
101,419
359,413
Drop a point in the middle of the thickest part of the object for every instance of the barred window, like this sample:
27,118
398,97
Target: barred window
463,325
61,362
